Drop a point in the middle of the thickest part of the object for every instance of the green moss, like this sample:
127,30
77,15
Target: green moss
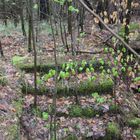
112,131
137,133
18,105
114,108
84,88
134,122
89,112
75,111
18,60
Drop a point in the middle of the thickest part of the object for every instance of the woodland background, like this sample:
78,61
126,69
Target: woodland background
69,69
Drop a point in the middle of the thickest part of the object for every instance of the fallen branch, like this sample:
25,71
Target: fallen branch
77,52
109,29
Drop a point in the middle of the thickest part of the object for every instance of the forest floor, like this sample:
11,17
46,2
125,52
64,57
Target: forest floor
92,119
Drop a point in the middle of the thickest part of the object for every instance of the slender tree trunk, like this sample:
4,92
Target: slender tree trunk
1,50
22,18
29,34
4,10
54,134
69,17
34,48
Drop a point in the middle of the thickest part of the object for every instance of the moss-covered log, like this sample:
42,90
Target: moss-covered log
74,111
44,66
84,88
88,112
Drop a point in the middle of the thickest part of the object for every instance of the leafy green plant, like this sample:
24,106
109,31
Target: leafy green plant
18,105
88,112
134,122
98,98
137,133
49,75
112,130
73,9
113,108
45,115
36,111
75,111
64,75
16,60
136,79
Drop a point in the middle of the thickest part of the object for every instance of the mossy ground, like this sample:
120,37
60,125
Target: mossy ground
137,133
83,88
134,122
112,131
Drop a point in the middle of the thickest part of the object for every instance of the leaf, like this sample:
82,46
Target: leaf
95,95
96,20
101,100
73,9
45,115
35,6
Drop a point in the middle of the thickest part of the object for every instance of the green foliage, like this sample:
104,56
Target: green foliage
18,104
45,115
98,98
112,130
61,2
136,79
36,112
13,132
64,75
71,137
102,85
137,133
3,80
115,72
17,60
39,81
75,111
134,122
35,6
49,75
132,26
73,9
113,108
95,95
78,111
88,112
82,34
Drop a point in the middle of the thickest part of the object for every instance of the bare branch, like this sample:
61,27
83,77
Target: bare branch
109,29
